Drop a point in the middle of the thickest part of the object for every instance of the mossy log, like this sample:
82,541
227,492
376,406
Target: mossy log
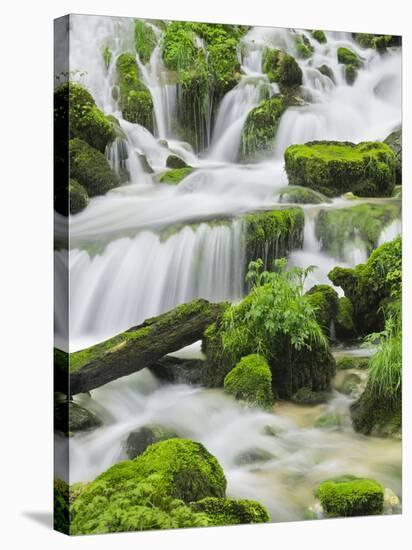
141,346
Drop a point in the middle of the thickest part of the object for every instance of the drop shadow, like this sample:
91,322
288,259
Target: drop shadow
45,519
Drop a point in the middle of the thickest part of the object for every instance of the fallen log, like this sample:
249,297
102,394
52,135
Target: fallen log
141,346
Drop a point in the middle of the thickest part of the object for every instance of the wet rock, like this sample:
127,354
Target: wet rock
138,441
173,161
349,384
306,396
179,371
70,417
145,164
253,456
326,71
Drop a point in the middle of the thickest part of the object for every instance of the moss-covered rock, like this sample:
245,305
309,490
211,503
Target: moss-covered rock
352,362
70,417
61,511
141,493
348,57
139,440
326,71
75,104
378,42
176,175
376,415
332,167
344,324
90,168
173,161
348,384
372,285
306,396
329,421
135,100
251,381
259,131
324,300
394,140
225,511
337,229
303,46
273,234
78,197
144,40
350,496
319,36
302,195
282,68
254,455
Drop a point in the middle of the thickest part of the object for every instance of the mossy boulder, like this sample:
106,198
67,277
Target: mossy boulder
90,168
139,440
324,300
74,106
332,167
379,42
144,40
319,36
225,511
61,510
150,491
176,175
326,71
394,140
173,161
303,46
351,61
255,455
251,381
273,234
352,362
306,396
259,131
372,285
302,195
348,384
78,197
374,414
135,100
348,496
338,228
344,324
282,68
70,417
329,421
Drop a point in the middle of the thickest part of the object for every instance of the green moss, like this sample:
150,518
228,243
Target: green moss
324,301
394,140
149,492
61,513
251,381
175,176
273,234
73,103
328,421
282,68
78,197
377,41
301,195
367,169
135,100
225,511
144,39
348,57
139,440
90,168
376,415
344,323
320,36
371,286
303,46
338,227
259,131
352,362
350,496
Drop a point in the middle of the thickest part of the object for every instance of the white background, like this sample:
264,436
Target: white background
26,302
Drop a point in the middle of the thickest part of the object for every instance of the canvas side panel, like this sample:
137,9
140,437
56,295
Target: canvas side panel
61,276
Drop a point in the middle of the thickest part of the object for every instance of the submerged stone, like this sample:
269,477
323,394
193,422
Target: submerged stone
138,440
329,421
302,195
306,396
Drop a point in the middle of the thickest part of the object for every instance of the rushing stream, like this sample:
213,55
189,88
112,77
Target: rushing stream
145,247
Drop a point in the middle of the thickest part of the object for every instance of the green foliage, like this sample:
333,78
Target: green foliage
373,285
90,168
251,381
259,130
135,100
324,301
281,68
303,46
333,167
348,57
320,36
273,234
78,197
150,491
73,104
350,496
176,175
338,227
225,511
61,513
144,39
